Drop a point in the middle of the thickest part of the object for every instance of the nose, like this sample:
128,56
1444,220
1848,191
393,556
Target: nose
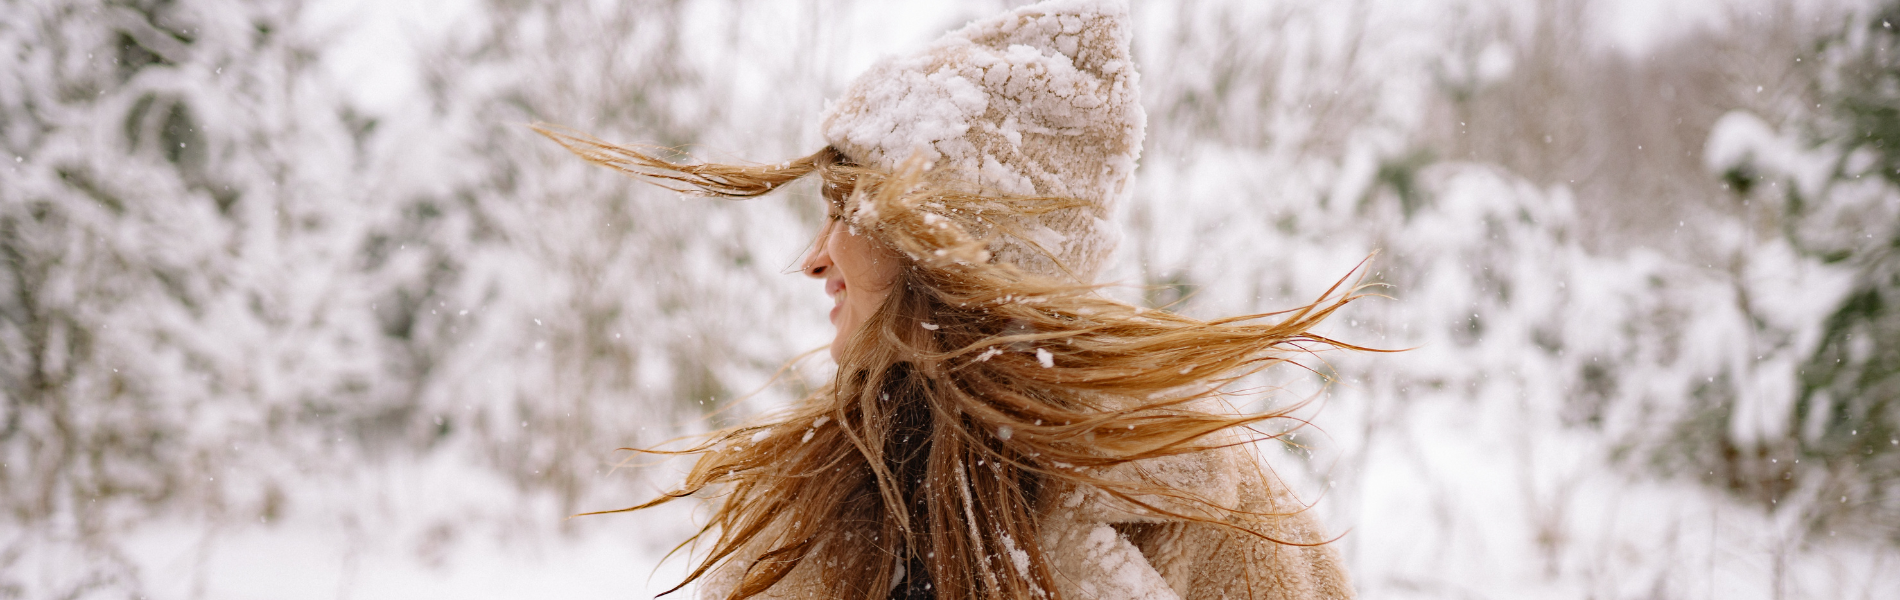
818,261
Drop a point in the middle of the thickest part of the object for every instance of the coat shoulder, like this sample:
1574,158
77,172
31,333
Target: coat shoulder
1271,546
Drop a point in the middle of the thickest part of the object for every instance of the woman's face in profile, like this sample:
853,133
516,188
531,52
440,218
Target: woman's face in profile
858,274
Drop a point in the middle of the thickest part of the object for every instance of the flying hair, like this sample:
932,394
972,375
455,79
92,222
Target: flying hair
1021,384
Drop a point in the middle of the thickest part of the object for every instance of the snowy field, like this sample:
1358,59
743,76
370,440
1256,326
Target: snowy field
293,305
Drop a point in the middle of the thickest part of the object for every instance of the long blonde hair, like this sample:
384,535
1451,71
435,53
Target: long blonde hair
970,391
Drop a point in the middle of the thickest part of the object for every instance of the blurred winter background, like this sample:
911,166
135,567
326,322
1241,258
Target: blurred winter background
292,305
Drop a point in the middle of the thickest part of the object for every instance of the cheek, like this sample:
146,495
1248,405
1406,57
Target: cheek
869,272
867,267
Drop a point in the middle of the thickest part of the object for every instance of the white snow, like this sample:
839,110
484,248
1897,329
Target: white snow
913,112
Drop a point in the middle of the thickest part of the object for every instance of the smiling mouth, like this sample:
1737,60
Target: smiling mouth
835,289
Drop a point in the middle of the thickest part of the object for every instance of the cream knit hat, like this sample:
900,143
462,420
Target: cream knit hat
1043,100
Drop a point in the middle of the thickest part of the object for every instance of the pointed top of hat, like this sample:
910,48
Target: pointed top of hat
1042,100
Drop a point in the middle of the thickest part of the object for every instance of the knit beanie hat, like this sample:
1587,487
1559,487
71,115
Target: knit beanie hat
1040,101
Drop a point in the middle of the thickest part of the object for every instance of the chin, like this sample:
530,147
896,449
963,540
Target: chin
837,346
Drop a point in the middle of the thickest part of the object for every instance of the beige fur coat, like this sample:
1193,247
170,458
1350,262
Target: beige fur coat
1100,548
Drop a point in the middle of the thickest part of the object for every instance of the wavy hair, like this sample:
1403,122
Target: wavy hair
973,389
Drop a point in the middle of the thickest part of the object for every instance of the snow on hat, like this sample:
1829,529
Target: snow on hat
1042,100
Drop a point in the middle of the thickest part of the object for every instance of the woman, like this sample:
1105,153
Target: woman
996,429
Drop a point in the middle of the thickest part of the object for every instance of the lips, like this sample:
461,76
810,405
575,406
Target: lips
834,287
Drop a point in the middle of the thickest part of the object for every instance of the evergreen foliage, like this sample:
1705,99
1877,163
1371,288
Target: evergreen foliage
1849,406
